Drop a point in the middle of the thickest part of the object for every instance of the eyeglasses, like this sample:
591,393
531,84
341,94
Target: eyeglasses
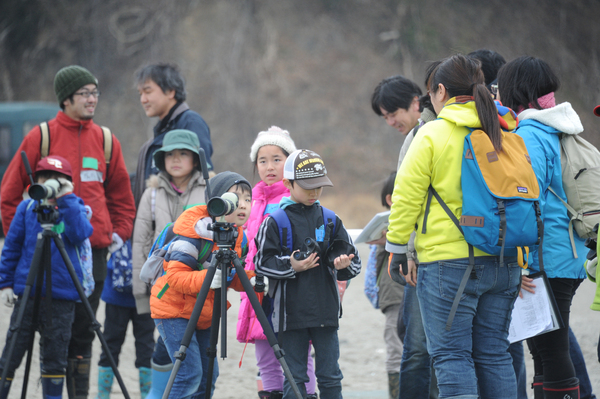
87,93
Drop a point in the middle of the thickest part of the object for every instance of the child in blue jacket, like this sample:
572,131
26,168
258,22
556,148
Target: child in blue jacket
17,254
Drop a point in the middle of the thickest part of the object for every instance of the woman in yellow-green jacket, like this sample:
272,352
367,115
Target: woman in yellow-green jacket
471,360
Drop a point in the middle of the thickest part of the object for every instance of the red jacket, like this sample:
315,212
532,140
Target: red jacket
174,294
82,144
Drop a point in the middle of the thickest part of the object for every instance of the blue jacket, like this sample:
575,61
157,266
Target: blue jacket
540,129
20,244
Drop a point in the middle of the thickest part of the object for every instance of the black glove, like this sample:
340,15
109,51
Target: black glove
395,262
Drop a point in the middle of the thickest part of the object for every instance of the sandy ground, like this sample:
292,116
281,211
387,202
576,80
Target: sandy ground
361,345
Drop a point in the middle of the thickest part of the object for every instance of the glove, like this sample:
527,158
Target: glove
395,262
216,281
8,297
66,187
117,243
265,280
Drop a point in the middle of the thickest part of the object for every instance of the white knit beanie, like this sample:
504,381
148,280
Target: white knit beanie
274,136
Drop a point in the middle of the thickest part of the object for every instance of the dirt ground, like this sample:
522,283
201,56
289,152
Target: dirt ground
361,346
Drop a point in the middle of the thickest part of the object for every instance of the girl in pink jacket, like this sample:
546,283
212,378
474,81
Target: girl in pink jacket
268,153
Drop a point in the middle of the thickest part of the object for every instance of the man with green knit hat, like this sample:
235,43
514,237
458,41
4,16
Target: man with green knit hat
102,181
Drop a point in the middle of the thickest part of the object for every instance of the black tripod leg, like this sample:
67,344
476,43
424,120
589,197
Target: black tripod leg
95,325
191,326
34,269
214,338
44,269
262,318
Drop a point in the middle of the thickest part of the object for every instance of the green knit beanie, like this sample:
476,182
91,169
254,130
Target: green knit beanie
70,79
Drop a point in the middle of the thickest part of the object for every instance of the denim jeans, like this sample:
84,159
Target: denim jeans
191,377
585,385
415,369
518,362
471,360
327,352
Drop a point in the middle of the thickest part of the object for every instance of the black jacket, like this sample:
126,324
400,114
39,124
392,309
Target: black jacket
309,298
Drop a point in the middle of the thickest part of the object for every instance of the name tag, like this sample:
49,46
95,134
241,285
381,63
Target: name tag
91,175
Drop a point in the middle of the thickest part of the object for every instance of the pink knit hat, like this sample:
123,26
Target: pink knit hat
274,136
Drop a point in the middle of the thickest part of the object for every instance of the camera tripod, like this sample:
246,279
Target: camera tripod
223,258
40,265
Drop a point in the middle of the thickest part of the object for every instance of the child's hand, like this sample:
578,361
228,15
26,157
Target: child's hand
342,261
302,265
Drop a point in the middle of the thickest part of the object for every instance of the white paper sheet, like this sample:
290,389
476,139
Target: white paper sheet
533,314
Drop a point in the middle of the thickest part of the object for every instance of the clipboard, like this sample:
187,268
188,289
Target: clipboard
535,314
372,231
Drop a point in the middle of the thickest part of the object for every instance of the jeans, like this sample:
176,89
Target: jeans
585,385
471,360
518,362
191,377
327,352
115,329
415,369
54,338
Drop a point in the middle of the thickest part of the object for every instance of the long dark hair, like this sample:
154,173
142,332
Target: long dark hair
525,79
462,76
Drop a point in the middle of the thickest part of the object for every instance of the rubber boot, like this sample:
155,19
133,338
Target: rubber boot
145,381
52,386
565,389
538,387
160,378
78,378
6,388
105,382
394,385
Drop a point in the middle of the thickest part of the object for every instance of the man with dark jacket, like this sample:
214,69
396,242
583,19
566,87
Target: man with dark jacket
162,94
100,179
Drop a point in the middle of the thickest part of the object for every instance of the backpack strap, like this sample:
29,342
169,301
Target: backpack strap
329,220
285,230
468,270
108,145
44,140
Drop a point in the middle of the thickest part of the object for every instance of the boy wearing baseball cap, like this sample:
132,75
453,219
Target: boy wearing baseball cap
17,255
305,291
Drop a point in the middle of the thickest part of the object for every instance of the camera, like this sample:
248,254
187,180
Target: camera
223,205
310,246
46,190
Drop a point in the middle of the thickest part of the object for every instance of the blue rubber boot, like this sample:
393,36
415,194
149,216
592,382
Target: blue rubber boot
145,381
105,382
52,386
160,378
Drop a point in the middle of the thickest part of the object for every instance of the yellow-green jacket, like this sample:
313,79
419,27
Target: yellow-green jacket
435,158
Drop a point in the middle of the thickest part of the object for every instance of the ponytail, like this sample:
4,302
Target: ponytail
488,115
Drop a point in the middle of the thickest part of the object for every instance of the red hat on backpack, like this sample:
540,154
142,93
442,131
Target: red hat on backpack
55,163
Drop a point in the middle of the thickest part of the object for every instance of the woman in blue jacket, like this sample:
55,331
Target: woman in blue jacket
527,85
